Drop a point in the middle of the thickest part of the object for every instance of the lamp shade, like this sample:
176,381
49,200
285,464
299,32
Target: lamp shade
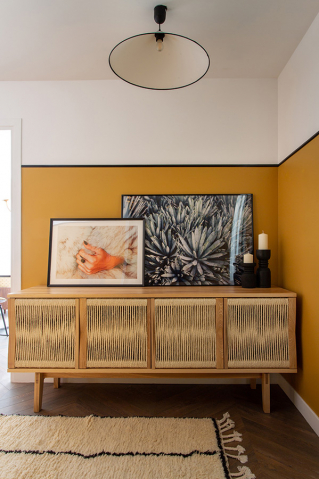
180,62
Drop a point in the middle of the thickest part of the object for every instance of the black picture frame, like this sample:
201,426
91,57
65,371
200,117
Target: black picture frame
193,240
116,246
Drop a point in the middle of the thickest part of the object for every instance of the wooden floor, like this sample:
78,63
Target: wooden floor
279,445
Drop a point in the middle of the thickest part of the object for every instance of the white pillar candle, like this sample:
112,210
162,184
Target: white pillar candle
263,241
248,258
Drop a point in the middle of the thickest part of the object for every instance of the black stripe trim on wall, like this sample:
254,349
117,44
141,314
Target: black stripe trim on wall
222,165
147,166
299,148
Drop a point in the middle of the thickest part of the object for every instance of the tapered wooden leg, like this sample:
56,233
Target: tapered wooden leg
253,383
38,391
265,383
56,383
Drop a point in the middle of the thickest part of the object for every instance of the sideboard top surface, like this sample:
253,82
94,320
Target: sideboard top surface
153,292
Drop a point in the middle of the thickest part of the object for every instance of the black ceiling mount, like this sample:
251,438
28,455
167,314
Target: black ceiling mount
160,14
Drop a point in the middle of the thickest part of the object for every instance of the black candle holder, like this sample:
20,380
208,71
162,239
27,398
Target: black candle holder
248,278
263,272
239,270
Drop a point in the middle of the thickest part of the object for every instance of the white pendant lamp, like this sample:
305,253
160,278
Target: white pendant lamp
158,60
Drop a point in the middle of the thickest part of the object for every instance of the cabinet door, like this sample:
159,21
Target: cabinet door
258,333
45,333
185,333
117,333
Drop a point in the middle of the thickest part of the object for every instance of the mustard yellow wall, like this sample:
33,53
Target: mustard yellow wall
298,219
96,193
287,196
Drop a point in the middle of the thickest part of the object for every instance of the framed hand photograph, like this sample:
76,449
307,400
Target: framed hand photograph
96,252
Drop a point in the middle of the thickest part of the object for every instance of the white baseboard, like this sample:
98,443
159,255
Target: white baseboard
26,378
309,415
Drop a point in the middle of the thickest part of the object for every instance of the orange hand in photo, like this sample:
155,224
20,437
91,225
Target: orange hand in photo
98,260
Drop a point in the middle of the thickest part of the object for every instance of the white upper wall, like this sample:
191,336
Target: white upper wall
216,121
298,94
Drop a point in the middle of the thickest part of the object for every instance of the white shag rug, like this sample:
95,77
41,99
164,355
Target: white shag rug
118,448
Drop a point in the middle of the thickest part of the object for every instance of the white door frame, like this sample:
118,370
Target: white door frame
14,124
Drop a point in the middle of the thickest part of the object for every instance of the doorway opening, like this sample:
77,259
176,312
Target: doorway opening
5,222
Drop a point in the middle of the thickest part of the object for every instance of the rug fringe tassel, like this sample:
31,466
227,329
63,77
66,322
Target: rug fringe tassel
225,424
229,424
233,434
223,419
244,473
240,458
232,437
238,448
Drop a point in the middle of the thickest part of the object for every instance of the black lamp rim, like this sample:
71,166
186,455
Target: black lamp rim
166,34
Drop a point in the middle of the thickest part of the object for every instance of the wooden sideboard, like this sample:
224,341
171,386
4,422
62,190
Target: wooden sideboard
170,332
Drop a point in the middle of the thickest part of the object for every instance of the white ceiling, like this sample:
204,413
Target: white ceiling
71,39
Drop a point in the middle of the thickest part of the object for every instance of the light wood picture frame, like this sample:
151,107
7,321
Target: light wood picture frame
96,252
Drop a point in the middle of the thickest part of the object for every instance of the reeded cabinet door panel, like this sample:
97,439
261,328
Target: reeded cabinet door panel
258,333
185,333
45,333
117,333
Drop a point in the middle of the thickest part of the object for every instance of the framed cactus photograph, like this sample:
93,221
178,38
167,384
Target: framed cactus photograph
192,239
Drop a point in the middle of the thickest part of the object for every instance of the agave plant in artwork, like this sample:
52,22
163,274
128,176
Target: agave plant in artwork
188,215
160,248
203,254
134,207
174,275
